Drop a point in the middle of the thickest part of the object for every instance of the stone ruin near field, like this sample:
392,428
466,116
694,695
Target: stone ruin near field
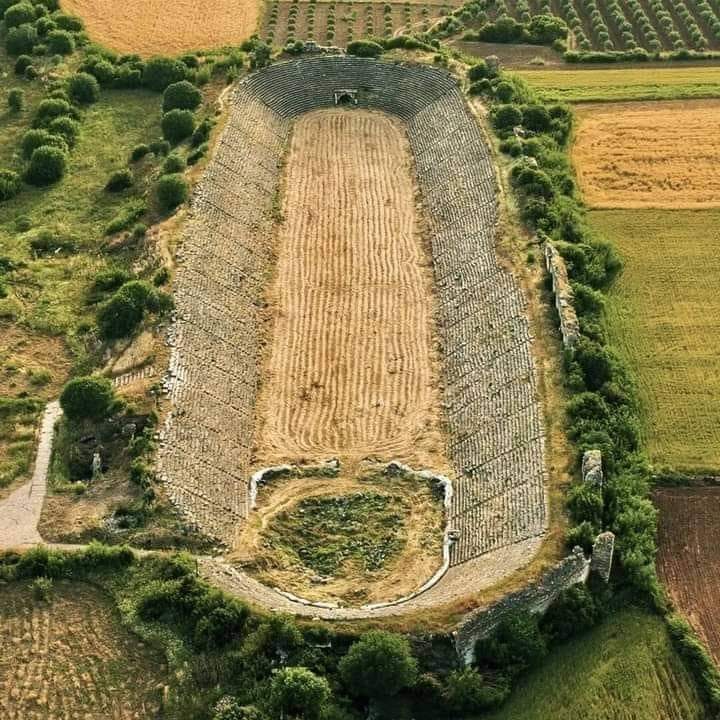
592,471
564,296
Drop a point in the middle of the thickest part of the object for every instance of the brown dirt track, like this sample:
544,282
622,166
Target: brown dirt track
155,27
649,155
688,561
352,366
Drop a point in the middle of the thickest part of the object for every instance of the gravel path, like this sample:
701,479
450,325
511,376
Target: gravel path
20,511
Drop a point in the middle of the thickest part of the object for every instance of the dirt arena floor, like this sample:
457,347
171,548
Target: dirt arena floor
653,154
353,367
688,562
154,27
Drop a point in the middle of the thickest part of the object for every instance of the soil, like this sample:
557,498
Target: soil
69,657
688,563
153,27
353,366
649,155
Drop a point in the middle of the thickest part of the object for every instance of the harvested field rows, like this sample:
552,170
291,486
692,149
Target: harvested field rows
351,367
664,319
152,27
649,155
70,658
688,561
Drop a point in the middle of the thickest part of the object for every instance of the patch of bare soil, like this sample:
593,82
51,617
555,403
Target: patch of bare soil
417,544
155,27
69,657
353,362
649,154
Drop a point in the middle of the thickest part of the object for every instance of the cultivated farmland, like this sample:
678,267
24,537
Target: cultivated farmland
68,656
687,561
657,155
664,319
152,27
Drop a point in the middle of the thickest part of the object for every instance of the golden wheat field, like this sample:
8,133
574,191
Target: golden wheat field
352,367
155,27
649,155
68,657
664,318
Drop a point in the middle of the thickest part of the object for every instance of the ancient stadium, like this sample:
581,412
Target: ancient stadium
340,297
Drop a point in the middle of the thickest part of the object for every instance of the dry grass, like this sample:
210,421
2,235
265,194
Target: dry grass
687,562
353,366
69,657
649,155
155,27
664,319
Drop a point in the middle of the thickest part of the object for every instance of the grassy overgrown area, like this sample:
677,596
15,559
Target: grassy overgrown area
624,669
663,318
614,84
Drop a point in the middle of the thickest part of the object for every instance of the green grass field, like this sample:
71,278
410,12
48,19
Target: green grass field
597,85
664,319
624,669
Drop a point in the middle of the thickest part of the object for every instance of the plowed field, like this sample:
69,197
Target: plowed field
654,155
155,27
688,561
69,658
352,364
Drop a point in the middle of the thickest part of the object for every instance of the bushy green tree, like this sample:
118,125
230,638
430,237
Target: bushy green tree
296,692
66,128
466,691
16,100
172,190
19,14
20,40
378,665
49,109
9,184
126,309
84,88
47,165
159,72
181,95
177,125
87,398
61,42
365,48
35,138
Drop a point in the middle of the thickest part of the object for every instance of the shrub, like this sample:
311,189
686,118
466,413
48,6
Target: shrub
71,23
16,100
126,309
20,40
574,611
177,125
66,128
44,25
126,216
84,88
202,133
467,692
478,71
41,588
47,165
173,164
172,190
298,692
87,398
161,277
120,180
22,63
19,14
504,92
160,72
364,48
378,665
505,117
107,281
9,184
103,71
139,152
221,624
48,241
36,138
181,95
61,42
159,147
196,155
49,109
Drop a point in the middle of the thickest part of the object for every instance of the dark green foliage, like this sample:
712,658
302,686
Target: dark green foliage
49,109
44,25
120,180
87,398
160,148
139,152
467,692
20,40
48,241
259,55
47,165
107,281
504,30
504,92
202,133
515,645
181,95
70,23
172,190
222,624
19,14
60,42
84,88
66,128
16,100
574,611
159,72
102,70
585,503
546,29
173,164
364,48
177,125
505,117
379,665
196,155
9,184
22,63
478,71
126,217
126,309
296,692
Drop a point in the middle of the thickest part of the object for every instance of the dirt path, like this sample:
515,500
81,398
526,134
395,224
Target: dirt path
20,511
353,368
